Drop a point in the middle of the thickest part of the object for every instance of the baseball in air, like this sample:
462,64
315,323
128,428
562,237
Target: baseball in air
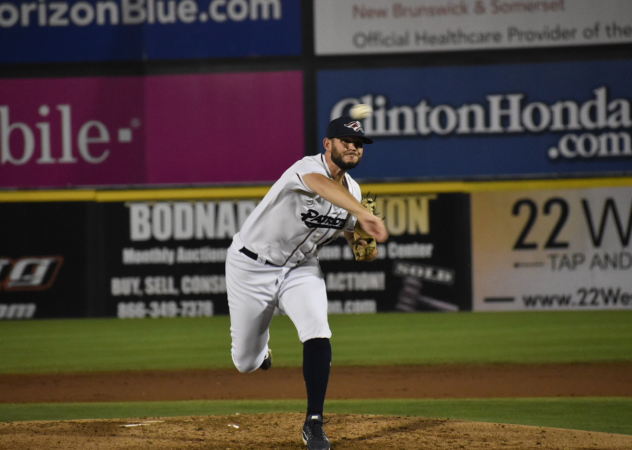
360,111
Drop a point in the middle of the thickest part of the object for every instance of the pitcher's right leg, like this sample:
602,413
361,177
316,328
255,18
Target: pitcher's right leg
251,300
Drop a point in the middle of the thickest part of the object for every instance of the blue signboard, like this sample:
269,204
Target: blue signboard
488,121
100,30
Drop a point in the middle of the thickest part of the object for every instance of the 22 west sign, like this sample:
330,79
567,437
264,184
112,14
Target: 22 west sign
489,121
552,249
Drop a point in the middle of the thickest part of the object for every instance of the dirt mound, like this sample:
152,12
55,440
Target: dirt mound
282,431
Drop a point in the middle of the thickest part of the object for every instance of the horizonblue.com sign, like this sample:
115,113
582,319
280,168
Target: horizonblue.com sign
488,121
109,30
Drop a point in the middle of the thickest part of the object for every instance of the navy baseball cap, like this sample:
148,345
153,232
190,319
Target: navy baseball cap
346,126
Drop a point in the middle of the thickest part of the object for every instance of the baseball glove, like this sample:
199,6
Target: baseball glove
364,252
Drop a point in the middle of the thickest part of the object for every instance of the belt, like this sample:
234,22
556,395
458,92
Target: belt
252,255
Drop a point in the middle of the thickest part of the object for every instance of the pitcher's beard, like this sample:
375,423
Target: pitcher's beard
340,162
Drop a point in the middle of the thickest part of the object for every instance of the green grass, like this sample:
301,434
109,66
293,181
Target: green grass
611,415
380,339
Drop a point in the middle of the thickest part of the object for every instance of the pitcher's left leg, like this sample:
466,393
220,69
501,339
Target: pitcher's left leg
303,297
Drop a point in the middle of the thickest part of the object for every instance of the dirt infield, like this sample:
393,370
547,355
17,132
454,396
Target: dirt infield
550,380
281,431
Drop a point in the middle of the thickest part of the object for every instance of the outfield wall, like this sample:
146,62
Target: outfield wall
128,126
178,93
533,245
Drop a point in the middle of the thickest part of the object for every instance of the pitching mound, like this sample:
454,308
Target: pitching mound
282,431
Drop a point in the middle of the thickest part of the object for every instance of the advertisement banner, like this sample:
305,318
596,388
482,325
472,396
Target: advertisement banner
135,30
488,121
72,131
166,259
44,270
557,249
182,129
424,266
217,128
389,26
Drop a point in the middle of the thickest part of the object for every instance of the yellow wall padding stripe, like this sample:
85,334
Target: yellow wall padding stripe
183,194
259,191
477,186
48,196
133,195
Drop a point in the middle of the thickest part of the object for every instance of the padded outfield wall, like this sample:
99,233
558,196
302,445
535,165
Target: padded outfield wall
136,136
481,246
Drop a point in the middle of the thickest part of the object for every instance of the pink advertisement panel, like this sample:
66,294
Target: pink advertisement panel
71,131
180,129
223,127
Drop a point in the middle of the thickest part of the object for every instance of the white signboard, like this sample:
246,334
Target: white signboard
552,249
388,26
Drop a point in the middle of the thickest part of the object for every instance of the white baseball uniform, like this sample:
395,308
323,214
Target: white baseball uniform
273,262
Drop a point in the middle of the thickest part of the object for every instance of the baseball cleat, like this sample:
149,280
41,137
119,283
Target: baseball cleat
267,361
314,435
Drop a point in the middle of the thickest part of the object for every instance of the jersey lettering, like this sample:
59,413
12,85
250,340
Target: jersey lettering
313,219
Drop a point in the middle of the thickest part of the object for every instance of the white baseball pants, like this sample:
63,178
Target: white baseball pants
255,289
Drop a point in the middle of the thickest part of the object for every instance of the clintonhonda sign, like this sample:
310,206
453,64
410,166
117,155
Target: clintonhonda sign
511,113
488,121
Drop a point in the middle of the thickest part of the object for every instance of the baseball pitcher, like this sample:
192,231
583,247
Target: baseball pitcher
273,261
